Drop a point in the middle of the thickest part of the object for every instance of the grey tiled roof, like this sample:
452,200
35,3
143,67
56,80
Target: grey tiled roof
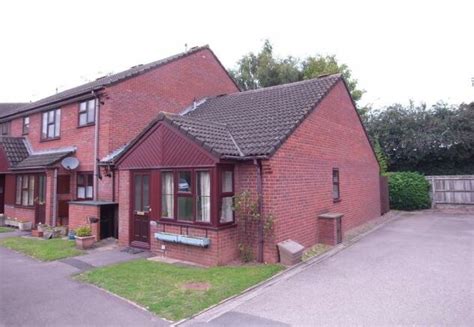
246,124
15,149
41,160
259,120
10,108
101,82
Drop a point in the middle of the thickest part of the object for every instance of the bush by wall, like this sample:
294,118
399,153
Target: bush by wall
408,191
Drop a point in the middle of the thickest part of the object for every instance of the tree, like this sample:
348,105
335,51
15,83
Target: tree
435,140
263,69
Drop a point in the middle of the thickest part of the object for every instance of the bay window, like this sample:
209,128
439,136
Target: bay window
25,188
227,195
85,186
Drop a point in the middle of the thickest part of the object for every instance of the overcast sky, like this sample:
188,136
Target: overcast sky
398,50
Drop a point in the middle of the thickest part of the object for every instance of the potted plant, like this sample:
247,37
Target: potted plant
84,237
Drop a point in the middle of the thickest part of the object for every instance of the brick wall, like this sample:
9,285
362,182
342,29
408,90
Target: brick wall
298,178
79,216
20,213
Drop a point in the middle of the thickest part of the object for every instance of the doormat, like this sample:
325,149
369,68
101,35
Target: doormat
132,250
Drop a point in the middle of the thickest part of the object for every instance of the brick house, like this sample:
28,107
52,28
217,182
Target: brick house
89,122
299,149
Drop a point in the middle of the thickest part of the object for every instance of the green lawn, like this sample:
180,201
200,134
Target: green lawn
6,229
44,250
161,288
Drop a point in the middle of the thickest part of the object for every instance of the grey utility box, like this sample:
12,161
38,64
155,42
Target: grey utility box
290,252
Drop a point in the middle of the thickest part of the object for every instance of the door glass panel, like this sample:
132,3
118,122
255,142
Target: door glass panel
146,193
138,193
31,190
42,189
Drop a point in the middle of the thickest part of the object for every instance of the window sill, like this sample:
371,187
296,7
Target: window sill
50,139
86,125
19,206
170,222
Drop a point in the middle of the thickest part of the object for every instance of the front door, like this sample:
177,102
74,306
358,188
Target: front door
141,210
40,200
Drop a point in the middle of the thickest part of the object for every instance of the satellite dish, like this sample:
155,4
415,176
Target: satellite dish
70,163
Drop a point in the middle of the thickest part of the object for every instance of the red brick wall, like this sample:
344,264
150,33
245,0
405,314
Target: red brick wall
79,216
20,213
223,248
298,178
170,88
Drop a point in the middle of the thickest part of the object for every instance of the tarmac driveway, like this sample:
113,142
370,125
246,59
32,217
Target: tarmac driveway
416,270
34,293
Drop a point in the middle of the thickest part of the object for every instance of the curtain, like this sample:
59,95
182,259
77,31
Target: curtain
205,196
167,190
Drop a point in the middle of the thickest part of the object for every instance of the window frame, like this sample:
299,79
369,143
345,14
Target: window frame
223,194
192,194
85,184
56,123
85,112
5,128
23,189
25,129
335,172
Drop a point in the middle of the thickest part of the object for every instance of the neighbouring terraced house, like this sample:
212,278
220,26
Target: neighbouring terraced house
164,148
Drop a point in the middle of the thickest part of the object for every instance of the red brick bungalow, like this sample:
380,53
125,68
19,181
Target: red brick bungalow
89,122
300,148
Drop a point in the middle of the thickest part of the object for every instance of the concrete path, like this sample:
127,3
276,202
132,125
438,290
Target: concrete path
14,233
416,270
34,293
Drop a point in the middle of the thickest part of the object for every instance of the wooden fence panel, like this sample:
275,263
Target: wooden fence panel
456,189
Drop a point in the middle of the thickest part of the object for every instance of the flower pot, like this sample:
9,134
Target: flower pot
25,225
36,233
85,242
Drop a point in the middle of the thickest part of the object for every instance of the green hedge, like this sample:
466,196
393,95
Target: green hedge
408,191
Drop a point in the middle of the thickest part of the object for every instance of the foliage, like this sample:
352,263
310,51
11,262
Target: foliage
408,191
44,250
264,69
168,298
435,141
248,220
315,251
381,157
83,231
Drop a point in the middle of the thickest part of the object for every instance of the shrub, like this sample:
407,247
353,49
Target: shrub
83,231
408,191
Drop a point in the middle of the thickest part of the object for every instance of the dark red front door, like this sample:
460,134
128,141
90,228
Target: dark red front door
2,193
40,199
141,210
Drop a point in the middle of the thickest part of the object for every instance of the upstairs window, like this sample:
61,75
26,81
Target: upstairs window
51,121
336,193
87,113
26,125
5,128
85,186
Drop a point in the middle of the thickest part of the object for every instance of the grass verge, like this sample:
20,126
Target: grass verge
44,250
315,250
175,292
6,229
